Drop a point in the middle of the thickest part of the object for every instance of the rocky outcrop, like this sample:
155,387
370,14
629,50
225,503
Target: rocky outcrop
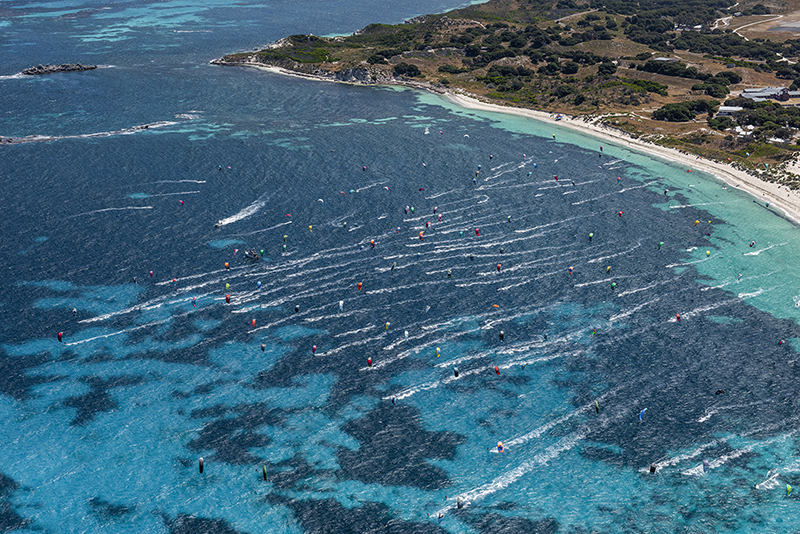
362,75
49,69
367,75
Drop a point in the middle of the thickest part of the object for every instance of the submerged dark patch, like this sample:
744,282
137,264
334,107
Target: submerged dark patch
188,524
231,437
110,510
330,517
394,450
98,399
9,518
17,382
501,524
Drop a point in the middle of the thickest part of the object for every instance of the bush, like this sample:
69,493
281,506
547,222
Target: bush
405,69
564,90
472,50
518,42
674,113
731,76
721,123
451,69
684,111
606,69
551,69
711,89
375,59
570,67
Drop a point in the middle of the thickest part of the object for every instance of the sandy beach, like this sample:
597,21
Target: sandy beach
779,197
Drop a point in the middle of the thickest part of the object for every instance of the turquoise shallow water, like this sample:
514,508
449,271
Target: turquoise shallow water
104,430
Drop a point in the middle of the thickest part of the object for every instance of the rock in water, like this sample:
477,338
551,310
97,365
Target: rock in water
49,69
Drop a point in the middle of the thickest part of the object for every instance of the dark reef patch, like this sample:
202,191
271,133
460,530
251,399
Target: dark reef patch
16,382
187,524
9,519
98,399
330,517
394,449
109,510
500,524
231,437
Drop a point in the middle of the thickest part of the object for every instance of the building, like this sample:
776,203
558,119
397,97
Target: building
727,111
780,95
763,94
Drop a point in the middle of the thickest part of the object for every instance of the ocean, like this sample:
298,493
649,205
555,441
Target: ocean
608,313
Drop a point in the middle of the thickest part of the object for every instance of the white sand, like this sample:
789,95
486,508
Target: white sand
779,197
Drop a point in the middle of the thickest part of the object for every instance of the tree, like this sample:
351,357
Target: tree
606,69
405,69
472,50
570,67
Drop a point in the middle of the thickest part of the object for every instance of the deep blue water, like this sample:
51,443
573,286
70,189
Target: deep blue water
104,430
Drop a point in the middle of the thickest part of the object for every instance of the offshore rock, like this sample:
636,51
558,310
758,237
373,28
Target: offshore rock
49,69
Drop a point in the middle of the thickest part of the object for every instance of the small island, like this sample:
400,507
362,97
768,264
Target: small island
50,69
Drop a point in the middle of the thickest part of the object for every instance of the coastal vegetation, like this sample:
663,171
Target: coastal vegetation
658,70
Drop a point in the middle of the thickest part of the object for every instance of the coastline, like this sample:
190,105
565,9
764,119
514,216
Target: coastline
780,198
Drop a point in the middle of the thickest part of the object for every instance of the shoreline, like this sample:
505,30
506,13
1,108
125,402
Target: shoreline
780,198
